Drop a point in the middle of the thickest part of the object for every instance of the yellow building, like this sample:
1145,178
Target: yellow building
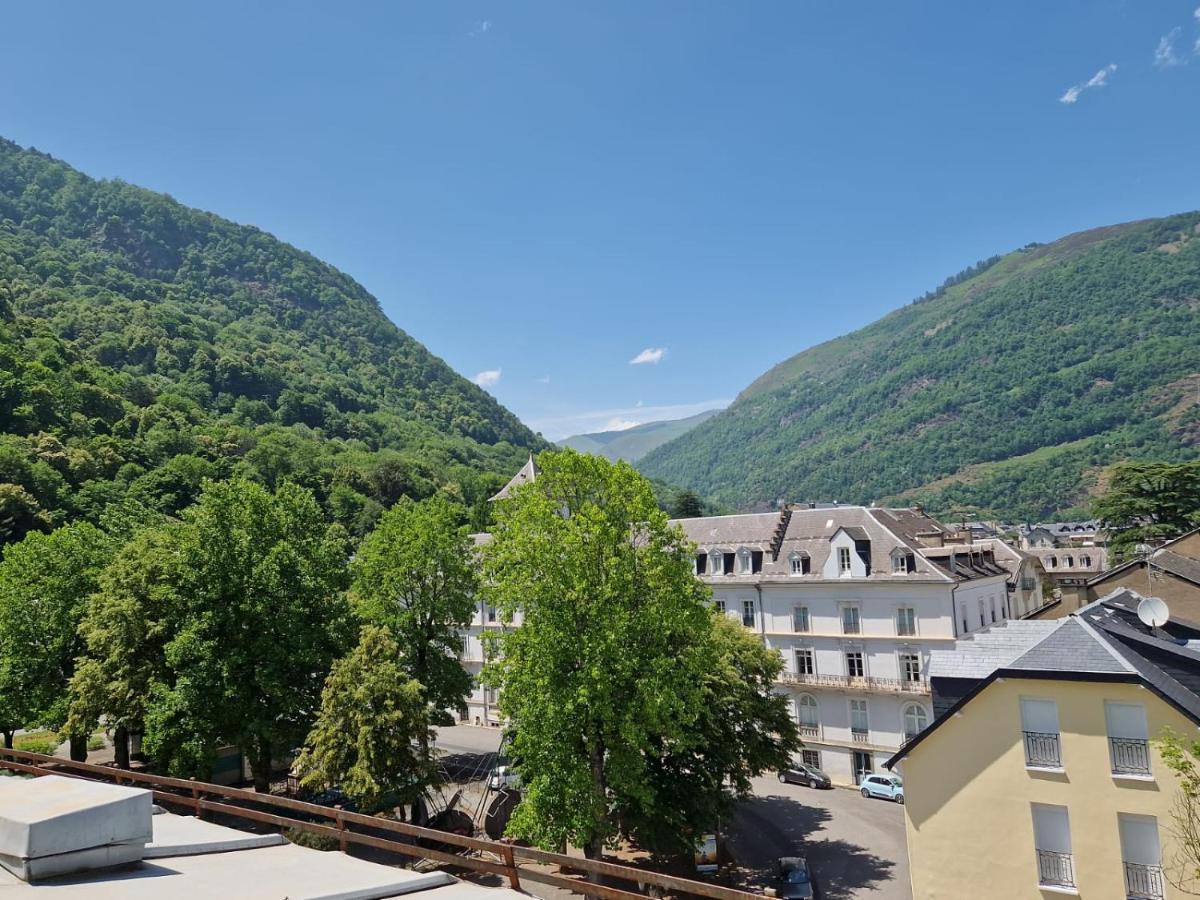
1038,778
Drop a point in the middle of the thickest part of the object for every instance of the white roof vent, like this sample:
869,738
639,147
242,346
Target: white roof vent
53,826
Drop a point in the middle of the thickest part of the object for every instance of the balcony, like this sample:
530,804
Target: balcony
1055,869
859,683
1144,882
1130,756
858,736
1041,750
810,731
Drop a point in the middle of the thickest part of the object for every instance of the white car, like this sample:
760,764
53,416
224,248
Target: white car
503,778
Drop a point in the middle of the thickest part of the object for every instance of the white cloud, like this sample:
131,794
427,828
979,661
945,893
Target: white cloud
545,379
616,423
557,427
487,377
1164,53
1100,79
481,28
652,355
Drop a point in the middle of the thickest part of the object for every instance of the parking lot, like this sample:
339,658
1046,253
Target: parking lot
856,847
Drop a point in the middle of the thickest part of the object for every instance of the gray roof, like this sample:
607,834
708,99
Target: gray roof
1072,647
982,653
749,530
528,473
1177,564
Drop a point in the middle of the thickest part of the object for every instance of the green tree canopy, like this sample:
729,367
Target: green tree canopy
373,733
611,653
1149,503
415,574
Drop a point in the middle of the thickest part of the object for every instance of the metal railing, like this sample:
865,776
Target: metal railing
859,682
493,857
1130,756
1144,882
1055,869
1041,750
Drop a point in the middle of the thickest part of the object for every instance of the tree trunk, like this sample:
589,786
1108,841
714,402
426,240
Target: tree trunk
260,764
79,750
121,746
593,848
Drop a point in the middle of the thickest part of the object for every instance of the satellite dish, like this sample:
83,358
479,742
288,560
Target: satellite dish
1153,612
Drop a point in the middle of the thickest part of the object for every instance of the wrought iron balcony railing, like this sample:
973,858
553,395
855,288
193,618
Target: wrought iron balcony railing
1055,869
1042,750
1144,882
861,683
1130,756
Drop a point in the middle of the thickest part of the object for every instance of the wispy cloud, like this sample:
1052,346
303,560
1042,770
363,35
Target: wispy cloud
487,377
651,355
482,27
557,427
616,423
1100,79
1164,54
545,379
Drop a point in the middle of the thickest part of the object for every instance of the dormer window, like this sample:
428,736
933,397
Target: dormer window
727,562
843,560
1051,562
746,562
903,562
701,563
1068,562
801,564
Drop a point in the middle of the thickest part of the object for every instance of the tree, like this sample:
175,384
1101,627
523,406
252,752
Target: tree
373,733
259,580
609,660
1183,871
126,627
686,505
1149,503
415,574
745,729
45,581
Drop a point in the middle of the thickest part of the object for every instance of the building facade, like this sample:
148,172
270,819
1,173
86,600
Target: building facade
1039,775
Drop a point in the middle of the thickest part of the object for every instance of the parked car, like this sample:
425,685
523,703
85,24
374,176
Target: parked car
799,773
795,881
887,787
504,778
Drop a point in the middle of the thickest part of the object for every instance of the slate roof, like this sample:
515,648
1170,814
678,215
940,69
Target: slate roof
752,530
529,472
1104,640
1183,566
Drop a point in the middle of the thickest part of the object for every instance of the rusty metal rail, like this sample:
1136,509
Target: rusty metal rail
195,795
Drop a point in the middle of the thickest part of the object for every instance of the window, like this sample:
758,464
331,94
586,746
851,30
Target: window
720,605
993,609
800,620
489,696
1068,562
910,667
727,563
915,720
1085,561
756,560
701,563
844,560
807,715
800,564
715,563
864,765
744,566
1052,840
1039,722
1051,562
1127,744
965,627
805,663
811,758
1141,855
850,620
859,726
903,562
491,613
748,613
982,615
906,621
854,663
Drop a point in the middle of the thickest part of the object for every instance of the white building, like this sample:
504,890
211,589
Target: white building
854,598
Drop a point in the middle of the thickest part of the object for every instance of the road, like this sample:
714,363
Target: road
856,846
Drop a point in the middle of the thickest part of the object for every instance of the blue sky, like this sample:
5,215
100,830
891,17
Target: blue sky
549,191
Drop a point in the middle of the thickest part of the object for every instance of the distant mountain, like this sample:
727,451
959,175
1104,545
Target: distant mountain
1008,389
631,444
145,346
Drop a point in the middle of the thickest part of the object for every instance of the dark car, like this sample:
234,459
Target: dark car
795,880
799,773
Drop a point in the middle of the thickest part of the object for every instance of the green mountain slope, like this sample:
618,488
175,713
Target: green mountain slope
634,443
1007,390
145,345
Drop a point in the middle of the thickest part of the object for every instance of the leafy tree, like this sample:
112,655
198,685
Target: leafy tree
745,728
687,505
415,574
1181,756
610,657
44,583
1149,503
127,625
259,580
20,513
373,733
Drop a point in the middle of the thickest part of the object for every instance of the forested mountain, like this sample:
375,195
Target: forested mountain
145,345
631,444
1007,390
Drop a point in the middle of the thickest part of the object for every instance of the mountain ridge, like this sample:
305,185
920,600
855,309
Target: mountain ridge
631,444
1071,354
